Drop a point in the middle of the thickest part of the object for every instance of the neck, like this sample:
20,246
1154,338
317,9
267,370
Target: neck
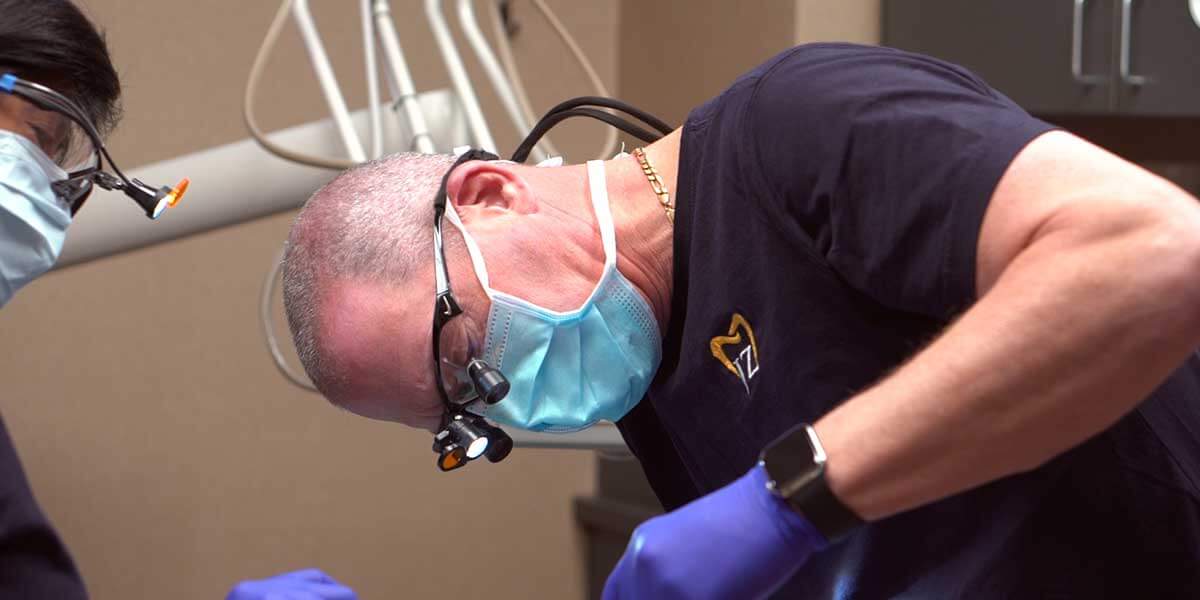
644,235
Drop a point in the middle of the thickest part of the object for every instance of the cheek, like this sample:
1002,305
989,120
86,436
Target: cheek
393,413
380,337
419,395
393,392
428,423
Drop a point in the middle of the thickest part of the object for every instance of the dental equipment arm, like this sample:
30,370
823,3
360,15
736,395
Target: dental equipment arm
458,76
405,93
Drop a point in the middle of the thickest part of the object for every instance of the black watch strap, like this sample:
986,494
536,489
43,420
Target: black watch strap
819,506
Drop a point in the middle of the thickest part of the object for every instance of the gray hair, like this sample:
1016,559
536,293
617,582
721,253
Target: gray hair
371,223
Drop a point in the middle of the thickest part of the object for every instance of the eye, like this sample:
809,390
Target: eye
43,138
48,142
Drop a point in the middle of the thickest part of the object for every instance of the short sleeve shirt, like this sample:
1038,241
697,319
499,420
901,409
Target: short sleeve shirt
829,209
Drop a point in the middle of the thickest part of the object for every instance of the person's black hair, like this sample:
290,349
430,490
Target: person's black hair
52,43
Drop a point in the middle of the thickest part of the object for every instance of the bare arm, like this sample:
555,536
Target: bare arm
1089,297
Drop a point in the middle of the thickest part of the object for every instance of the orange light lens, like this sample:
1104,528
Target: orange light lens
177,194
453,459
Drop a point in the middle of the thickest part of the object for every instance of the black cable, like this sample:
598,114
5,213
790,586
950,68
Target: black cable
521,154
614,104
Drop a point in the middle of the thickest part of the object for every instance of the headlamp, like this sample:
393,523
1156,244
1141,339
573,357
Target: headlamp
490,383
468,435
155,201
464,437
499,444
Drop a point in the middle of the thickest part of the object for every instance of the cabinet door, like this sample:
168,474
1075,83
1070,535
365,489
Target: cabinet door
1159,58
1024,48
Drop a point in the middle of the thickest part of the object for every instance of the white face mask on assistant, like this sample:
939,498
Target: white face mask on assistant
33,220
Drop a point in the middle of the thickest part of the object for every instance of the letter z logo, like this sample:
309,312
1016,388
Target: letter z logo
737,350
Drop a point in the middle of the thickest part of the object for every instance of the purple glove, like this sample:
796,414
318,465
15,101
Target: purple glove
309,584
737,542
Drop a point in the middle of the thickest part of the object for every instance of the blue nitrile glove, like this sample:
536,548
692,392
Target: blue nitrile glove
309,584
737,542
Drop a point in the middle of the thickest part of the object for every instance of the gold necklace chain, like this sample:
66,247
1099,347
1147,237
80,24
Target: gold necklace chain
656,183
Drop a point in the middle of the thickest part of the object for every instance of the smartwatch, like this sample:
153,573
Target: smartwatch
795,466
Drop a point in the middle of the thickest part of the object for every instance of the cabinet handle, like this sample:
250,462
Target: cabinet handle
1126,41
1077,50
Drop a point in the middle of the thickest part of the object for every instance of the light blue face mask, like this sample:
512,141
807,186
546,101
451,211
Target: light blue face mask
568,370
33,222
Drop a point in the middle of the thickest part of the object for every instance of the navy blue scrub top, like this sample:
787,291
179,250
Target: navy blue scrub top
829,207
34,564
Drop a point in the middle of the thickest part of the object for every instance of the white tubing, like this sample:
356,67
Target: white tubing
513,73
458,75
269,286
405,93
232,183
368,31
495,73
327,80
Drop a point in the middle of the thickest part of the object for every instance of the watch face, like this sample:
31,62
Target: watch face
794,460
795,465
794,442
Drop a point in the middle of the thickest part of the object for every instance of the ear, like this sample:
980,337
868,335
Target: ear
490,186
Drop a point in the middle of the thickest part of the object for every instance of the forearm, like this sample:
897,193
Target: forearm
1074,334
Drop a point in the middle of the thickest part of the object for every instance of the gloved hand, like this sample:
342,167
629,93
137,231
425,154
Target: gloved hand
309,584
739,542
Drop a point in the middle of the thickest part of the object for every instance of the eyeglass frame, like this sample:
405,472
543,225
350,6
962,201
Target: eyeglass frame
152,200
78,186
445,307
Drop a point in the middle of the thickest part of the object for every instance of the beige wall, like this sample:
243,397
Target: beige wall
156,433
838,21
676,54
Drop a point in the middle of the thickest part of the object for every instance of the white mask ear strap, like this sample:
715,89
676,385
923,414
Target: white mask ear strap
472,247
599,192
600,204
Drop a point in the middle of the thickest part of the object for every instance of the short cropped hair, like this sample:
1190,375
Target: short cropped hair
52,43
372,223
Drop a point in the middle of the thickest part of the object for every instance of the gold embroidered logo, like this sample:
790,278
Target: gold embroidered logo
743,360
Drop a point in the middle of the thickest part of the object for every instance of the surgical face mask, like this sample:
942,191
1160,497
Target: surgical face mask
568,370
33,221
